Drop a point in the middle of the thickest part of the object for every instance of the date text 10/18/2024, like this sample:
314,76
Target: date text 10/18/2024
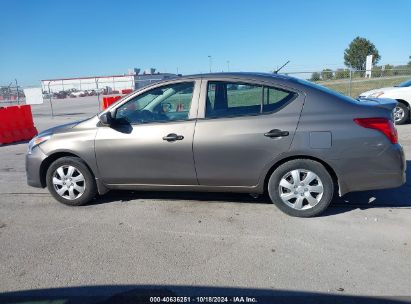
203,300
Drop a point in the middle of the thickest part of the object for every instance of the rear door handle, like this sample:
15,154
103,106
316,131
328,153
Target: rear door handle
173,137
276,133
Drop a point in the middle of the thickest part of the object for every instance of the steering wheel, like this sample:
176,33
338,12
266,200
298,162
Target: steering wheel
145,115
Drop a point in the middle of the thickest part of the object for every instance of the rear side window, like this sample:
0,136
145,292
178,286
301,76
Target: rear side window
275,98
227,99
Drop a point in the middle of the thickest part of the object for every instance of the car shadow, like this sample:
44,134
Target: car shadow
108,294
15,143
69,114
388,198
211,197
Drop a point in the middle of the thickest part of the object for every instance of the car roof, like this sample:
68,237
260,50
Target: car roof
246,75
276,79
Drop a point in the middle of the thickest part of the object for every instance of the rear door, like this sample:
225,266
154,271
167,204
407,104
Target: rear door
244,126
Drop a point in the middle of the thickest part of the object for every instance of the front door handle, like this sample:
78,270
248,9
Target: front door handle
173,137
276,133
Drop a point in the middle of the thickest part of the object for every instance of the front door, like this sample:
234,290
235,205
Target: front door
151,143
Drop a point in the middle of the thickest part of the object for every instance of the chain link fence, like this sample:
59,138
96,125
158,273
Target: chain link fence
11,94
348,82
353,83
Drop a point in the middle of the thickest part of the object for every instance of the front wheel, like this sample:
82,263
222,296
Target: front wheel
70,181
301,188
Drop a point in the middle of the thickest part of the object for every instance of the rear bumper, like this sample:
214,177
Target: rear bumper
383,171
33,167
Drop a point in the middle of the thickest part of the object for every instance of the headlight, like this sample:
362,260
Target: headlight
37,141
376,94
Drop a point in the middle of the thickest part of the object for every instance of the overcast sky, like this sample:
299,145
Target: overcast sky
52,39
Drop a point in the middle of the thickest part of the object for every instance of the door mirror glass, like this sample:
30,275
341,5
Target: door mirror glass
106,118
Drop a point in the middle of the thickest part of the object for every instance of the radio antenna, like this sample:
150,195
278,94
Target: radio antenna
276,71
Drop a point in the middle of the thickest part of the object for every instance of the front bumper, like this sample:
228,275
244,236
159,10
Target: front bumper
33,167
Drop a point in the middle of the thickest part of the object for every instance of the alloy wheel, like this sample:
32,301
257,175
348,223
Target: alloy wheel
398,113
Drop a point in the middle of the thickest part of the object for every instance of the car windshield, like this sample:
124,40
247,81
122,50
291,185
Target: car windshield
405,84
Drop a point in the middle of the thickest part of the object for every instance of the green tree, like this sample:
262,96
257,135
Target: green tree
409,62
388,70
356,54
315,76
326,74
342,73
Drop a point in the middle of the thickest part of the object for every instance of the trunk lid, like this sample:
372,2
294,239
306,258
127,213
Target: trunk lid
385,103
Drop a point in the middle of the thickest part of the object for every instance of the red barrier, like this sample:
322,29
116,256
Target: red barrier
16,124
28,128
126,91
5,133
109,100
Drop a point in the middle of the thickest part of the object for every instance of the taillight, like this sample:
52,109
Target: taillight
384,125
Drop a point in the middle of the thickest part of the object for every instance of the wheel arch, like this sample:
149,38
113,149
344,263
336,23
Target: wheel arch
327,166
404,102
53,157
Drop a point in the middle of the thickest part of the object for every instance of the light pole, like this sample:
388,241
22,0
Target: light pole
228,65
209,61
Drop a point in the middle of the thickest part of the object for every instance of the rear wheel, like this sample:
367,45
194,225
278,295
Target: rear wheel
70,181
301,188
401,114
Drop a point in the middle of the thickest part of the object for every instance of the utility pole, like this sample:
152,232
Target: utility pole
98,95
51,104
209,61
17,89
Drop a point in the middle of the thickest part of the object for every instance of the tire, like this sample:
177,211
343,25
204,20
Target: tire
80,185
295,201
401,114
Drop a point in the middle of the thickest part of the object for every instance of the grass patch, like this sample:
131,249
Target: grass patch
359,86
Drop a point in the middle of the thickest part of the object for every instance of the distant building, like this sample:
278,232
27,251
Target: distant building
142,80
113,83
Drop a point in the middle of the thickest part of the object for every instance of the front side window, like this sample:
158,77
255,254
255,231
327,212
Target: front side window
167,103
225,99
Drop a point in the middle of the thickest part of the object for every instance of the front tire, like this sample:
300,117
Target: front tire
401,114
301,188
70,181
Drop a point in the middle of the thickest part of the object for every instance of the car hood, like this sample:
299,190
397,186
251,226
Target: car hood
368,93
62,128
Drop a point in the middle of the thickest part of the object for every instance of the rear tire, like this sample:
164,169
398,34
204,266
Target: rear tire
301,188
401,114
70,181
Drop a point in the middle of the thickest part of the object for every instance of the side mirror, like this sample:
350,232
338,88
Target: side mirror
106,118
